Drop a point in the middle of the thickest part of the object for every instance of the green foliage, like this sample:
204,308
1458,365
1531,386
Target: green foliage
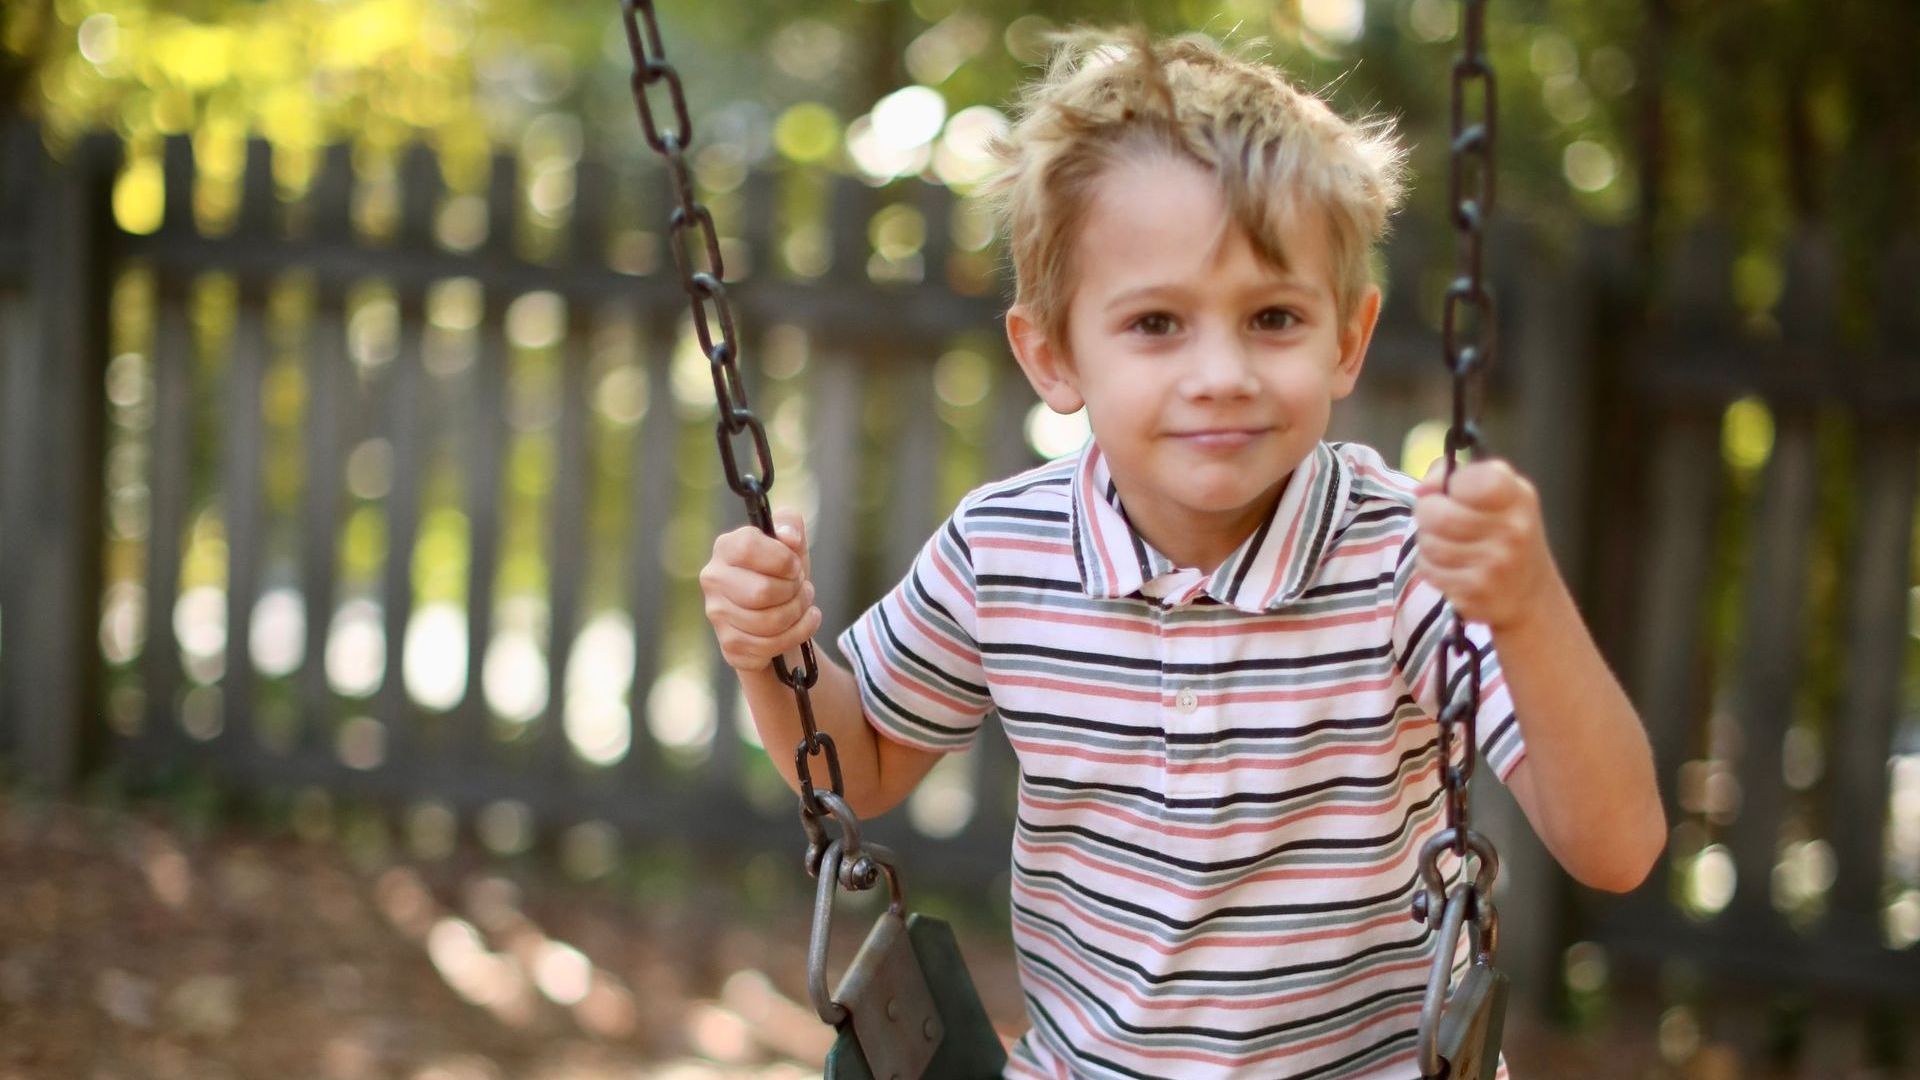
1668,110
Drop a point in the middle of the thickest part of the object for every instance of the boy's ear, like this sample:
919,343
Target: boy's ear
1048,368
1354,338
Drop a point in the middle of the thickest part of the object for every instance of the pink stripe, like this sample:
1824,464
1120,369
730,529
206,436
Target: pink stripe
970,659
1368,548
1040,748
1242,626
1161,885
1398,481
1028,613
1071,686
1088,495
906,682
1007,543
1235,941
1196,832
1285,1050
1242,697
954,580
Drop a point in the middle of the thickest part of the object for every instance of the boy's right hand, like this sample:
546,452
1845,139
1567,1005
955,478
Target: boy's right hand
758,596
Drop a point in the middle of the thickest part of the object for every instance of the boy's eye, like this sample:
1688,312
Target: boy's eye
1274,318
1155,323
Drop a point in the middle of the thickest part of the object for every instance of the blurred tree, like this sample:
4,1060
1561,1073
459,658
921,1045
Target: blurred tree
1766,114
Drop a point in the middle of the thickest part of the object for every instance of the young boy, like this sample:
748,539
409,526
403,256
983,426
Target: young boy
1211,637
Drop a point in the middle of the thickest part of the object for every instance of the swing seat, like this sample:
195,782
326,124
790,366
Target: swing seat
970,1049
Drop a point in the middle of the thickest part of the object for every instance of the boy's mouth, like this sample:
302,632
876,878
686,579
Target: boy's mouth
1220,438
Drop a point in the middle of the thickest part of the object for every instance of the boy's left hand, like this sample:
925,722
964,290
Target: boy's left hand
1482,542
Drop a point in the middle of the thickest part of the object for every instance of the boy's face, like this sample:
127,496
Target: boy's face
1206,373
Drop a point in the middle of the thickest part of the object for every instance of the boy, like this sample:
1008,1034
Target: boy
1211,636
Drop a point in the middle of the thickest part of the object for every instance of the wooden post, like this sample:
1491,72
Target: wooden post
55,706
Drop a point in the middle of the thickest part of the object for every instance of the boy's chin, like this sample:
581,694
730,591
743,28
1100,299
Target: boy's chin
1225,498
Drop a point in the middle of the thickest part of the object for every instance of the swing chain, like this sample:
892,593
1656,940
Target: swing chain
703,276
1467,342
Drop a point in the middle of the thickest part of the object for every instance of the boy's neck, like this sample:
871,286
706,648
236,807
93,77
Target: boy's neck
1198,540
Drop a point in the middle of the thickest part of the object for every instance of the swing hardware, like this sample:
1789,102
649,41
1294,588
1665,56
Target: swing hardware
906,1008
703,278
1460,1028
884,996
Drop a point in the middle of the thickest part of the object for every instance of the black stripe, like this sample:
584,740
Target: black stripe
1110,661
1253,551
960,540
919,588
921,662
1079,1055
1354,586
893,706
1356,908
1080,559
1413,640
1285,663
1361,783
1084,659
1166,858
1016,512
1378,998
1133,534
1319,546
1416,942
1065,479
1080,723
1019,581
1500,731
1383,513
1208,738
1236,734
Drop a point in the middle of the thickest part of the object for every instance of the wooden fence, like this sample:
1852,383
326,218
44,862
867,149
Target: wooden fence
396,492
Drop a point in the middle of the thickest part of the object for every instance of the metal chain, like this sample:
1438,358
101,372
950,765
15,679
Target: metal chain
703,276
1467,330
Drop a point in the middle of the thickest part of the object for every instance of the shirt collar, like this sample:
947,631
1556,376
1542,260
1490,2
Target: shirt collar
1270,569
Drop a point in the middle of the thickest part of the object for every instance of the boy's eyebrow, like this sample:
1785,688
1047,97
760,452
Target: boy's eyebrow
1280,283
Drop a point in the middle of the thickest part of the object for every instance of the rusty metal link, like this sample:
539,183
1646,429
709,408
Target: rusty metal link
1467,348
698,260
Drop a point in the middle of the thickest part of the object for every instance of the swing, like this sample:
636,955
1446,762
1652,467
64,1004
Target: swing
906,1008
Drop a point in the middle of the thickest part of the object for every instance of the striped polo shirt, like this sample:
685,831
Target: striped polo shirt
1225,778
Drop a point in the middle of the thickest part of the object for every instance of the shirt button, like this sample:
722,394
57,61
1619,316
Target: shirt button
1186,701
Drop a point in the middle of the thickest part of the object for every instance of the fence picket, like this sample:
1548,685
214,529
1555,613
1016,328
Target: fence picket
485,441
1772,649
327,368
170,485
1877,639
654,464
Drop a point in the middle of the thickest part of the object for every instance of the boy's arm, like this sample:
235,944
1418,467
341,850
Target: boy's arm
876,771
1587,783
760,602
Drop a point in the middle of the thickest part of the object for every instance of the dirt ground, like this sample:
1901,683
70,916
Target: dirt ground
133,947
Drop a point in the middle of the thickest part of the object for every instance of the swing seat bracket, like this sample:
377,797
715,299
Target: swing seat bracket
892,1011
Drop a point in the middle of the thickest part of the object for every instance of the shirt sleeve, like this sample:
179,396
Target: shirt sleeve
915,656
1422,618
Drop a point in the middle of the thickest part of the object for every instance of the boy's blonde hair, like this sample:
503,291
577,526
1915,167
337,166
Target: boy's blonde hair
1109,97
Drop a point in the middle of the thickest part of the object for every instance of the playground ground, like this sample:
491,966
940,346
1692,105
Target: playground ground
136,947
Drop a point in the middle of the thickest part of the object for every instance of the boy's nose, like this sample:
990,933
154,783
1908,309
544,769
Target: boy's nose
1220,368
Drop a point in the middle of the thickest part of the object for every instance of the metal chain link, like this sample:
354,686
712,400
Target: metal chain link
703,276
1467,332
